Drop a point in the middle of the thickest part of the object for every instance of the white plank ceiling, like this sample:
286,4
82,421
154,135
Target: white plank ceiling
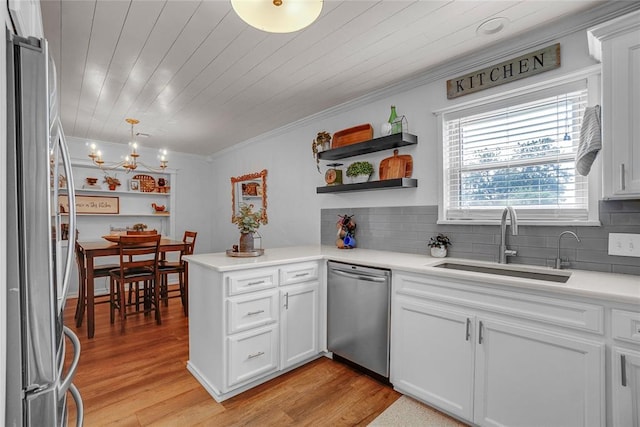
199,79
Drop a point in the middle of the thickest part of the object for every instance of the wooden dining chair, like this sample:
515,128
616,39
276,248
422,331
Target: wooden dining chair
180,268
138,264
98,271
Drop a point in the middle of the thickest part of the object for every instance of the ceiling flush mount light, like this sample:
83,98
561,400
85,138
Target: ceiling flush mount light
278,16
130,162
492,26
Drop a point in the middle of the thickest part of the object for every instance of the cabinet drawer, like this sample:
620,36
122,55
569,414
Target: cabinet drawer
297,273
251,310
252,354
251,280
555,311
625,325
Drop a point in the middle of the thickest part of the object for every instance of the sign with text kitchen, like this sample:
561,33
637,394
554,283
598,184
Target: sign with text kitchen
530,64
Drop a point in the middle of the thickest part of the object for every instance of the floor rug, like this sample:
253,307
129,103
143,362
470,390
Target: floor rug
407,412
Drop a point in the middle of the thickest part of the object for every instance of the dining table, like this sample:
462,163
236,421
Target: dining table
90,250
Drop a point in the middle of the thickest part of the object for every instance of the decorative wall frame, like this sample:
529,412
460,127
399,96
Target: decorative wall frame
250,189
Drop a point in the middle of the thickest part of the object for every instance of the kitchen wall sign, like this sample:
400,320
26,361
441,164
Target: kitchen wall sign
95,205
530,64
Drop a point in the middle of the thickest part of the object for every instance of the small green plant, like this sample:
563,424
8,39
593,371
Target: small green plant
359,168
440,241
247,220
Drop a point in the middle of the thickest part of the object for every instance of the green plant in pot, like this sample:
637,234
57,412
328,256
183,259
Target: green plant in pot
360,171
438,245
248,223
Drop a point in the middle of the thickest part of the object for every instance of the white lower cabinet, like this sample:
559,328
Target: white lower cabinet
250,325
299,323
432,355
488,369
626,387
527,376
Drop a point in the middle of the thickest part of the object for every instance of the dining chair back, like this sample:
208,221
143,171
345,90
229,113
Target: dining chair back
180,268
101,270
138,264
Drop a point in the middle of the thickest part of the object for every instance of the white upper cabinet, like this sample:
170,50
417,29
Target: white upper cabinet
617,45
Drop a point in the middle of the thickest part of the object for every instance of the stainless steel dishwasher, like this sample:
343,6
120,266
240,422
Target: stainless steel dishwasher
358,316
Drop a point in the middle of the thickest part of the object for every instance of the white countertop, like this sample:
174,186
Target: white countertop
608,286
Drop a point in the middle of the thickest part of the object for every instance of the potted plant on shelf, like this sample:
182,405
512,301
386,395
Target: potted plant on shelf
439,245
248,223
111,181
321,143
360,171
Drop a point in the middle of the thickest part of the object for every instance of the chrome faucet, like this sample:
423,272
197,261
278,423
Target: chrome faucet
558,264
504,252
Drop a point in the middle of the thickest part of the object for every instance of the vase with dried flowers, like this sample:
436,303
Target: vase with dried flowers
248,223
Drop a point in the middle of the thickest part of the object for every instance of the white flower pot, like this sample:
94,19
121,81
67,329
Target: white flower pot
438,252
359,178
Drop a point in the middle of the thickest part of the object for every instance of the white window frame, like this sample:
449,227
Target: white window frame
513,97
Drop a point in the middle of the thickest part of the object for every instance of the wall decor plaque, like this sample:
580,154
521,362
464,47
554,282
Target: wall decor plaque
526,65
95,205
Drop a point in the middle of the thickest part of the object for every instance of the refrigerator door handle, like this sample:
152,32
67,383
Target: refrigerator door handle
65,384
79,405
66,161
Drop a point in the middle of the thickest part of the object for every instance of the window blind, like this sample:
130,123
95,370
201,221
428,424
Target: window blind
520,155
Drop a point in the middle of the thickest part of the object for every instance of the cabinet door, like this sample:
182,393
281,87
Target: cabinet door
531,377
298,323
432,355
621,106
626,387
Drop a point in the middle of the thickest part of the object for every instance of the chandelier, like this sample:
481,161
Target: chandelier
278,16
130,162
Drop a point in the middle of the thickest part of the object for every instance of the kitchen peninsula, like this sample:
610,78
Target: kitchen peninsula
252,319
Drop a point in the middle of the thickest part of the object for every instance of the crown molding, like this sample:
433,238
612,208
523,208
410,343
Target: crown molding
494,52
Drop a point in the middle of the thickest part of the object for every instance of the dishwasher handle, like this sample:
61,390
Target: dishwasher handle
359,276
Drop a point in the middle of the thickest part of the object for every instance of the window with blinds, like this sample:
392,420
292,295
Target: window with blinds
518,153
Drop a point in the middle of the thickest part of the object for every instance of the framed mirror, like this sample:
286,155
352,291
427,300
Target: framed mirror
250,189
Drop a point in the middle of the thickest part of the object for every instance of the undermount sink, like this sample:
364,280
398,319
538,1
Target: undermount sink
507,271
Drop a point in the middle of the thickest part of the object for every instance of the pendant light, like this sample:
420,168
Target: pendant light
278,16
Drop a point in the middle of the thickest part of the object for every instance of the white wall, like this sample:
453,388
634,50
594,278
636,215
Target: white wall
293,205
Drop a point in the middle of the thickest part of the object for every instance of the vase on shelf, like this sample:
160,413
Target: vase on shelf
360,178
438,251
246,242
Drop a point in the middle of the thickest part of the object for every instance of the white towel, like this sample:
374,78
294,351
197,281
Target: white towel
590,140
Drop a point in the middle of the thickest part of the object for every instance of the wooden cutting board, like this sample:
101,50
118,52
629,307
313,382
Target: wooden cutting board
396,166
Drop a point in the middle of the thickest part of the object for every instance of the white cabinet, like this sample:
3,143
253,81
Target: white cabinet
490,369
626,387
617,45
625,368
299,313
521,369
432,355
299,323
253,324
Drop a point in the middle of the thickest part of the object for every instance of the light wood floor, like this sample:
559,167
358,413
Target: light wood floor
139,378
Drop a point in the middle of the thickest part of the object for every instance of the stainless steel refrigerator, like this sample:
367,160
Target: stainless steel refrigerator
38,269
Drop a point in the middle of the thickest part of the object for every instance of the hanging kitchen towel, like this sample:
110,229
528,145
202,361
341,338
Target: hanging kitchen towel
590,140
